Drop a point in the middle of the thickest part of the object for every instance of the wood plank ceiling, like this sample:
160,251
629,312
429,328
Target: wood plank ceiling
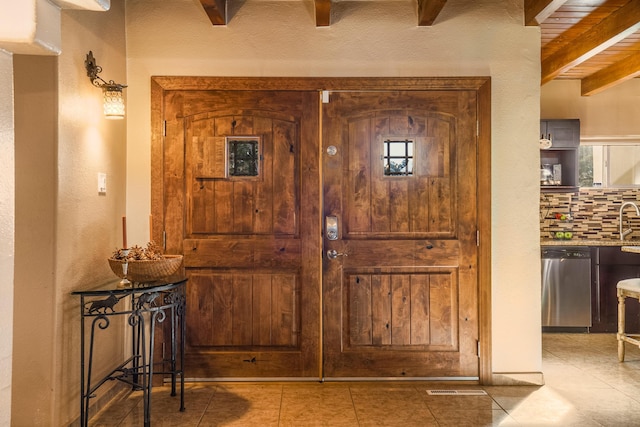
595,41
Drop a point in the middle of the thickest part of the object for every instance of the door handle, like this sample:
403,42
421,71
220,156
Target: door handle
331,227
333,254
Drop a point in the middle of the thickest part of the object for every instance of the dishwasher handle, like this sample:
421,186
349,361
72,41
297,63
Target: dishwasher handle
564,253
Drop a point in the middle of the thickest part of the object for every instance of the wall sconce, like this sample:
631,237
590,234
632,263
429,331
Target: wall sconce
112,91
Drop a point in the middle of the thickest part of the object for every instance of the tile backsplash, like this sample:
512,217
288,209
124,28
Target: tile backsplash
591,213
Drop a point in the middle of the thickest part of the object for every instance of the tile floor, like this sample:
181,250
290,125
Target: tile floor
585,386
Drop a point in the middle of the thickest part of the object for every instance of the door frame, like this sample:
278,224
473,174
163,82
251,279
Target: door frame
162,86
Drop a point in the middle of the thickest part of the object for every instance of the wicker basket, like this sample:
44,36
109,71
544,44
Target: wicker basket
147,270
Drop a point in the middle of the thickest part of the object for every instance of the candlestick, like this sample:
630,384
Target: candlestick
124,232
125,266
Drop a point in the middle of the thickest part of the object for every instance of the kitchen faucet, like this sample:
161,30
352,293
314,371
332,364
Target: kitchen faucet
628,231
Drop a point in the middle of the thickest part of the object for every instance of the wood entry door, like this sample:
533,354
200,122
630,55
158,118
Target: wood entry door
400,276
241,190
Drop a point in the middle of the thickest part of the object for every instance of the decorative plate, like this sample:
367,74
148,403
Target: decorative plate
545,144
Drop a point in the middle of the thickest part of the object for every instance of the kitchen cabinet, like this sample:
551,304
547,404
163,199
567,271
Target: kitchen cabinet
564,135
610,265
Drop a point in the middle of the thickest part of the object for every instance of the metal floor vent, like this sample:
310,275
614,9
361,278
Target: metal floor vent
456,392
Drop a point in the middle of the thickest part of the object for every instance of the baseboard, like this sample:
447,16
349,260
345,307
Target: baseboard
100,402
517,378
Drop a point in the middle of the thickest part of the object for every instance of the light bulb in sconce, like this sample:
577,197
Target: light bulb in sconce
112,92
113,102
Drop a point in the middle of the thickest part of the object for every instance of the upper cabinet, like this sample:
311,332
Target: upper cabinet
559,142
562,133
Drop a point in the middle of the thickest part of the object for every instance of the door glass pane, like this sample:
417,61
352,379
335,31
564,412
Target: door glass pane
243,157
398,157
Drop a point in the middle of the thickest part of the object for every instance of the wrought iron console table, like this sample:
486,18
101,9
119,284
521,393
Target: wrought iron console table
144,306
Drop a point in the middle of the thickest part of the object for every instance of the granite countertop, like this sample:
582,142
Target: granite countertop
581,242
634,249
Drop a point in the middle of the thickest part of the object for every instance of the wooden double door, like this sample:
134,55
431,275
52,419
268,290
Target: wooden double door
324,234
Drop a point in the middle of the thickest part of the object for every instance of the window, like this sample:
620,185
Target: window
398,157
243,156
609,165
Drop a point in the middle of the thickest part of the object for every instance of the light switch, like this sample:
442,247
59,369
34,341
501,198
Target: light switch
102,183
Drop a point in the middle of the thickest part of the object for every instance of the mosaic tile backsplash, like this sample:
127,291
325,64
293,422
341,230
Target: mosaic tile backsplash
590,214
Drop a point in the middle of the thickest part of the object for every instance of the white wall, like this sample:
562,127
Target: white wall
612,113
30,27
279,38
7,219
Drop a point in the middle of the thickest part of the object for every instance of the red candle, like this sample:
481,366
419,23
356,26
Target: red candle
124,232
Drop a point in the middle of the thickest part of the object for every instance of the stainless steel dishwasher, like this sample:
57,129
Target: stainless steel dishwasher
566,287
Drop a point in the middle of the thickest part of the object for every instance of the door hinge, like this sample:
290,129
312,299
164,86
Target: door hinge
164,128
477,127
325,96
164,240
477,237
478,347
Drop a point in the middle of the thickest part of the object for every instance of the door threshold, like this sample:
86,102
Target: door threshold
250,379
473,380
456,392
364,379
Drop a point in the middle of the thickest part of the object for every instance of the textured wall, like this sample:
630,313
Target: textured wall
67,229
89,224
611,113
30,27
35,80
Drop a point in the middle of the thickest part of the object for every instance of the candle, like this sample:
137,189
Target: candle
124,232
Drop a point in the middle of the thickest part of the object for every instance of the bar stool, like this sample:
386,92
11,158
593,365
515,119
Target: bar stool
627,288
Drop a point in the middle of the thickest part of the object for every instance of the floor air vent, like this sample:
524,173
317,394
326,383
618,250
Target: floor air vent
456,392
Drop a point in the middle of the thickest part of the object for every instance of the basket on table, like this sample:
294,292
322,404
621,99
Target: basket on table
146,270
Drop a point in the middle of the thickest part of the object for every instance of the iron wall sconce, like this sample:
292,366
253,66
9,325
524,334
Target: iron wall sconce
111,91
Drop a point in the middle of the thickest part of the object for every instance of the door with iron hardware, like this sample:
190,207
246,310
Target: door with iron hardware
400,277
241,185
245,191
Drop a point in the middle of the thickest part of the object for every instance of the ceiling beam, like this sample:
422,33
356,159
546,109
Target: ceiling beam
616,73
428,11
606,33
323,13
537,11
216,11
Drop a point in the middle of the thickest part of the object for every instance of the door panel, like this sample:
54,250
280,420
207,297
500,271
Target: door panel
245,310
265,204
236,210
400,299
401,310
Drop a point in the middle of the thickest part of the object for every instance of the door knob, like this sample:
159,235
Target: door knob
333,254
